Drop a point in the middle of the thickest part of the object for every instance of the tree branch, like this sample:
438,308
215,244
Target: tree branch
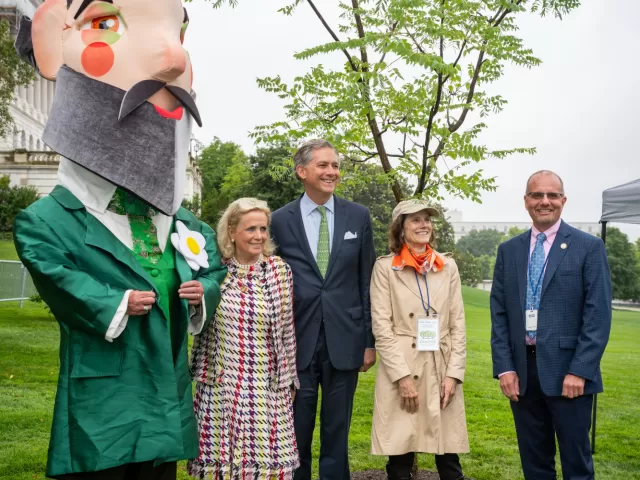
371,117
373,154
331,32
455,64
499,17
391,30
472,88
495,17
426,168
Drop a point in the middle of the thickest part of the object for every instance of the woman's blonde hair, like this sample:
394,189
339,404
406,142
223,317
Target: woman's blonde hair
231,218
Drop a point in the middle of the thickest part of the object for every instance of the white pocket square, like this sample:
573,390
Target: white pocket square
350,236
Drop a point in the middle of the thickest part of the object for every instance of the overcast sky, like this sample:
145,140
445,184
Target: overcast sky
578,108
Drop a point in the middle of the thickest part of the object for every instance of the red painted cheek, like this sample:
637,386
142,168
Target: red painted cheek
191,69
97,59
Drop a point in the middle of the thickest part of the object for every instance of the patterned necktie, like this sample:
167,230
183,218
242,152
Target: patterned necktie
322,258
144,233
534,278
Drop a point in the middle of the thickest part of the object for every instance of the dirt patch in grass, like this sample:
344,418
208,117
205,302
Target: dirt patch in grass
380,475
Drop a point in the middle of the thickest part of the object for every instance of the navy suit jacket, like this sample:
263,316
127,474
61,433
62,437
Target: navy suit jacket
574,318
341,299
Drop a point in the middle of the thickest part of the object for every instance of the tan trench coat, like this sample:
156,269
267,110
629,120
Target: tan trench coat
395,305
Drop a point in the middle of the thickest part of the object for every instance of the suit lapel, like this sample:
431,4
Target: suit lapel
100,237
522,266
340,220
556,254
297,228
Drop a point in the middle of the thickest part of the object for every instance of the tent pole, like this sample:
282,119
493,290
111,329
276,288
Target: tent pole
603,235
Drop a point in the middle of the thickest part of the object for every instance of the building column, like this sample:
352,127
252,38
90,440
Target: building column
30,92
22,96
37,90
52,93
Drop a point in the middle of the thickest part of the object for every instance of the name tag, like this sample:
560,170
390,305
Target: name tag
428,336
531,320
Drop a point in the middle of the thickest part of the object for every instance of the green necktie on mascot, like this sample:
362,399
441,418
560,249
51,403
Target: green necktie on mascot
121,122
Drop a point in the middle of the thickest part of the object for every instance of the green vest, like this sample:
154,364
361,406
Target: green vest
166,280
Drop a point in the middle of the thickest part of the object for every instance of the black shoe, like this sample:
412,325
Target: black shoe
395,474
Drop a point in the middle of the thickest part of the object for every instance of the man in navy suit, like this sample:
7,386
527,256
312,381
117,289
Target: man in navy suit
551,318
328,242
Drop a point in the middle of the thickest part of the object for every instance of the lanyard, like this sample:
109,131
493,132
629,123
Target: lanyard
426,307
534,291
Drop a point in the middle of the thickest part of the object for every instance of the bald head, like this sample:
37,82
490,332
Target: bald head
544,199
545,173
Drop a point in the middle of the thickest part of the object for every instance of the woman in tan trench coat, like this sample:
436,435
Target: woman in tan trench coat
418,405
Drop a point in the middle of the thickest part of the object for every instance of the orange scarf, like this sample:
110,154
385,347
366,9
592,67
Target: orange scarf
421,262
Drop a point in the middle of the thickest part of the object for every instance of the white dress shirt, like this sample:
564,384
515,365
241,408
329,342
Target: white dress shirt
311,218
95,193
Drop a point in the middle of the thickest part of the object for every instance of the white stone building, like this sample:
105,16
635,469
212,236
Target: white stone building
462,228
23,154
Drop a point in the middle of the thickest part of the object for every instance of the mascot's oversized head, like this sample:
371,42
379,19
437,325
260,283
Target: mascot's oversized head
123,106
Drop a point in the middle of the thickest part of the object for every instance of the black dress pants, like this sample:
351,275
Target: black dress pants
540,419
338,388
399,466
129,471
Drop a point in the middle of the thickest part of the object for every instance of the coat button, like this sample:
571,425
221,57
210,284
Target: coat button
155,272
415,377
413,345
411,315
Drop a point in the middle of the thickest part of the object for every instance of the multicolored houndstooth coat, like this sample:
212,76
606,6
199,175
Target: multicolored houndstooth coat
245,366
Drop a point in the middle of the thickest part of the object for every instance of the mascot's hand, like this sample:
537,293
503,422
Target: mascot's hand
192,291
140,302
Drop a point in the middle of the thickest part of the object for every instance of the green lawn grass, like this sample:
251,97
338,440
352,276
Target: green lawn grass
7,250
28,373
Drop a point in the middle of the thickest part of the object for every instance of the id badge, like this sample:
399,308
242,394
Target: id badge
531,320
428,336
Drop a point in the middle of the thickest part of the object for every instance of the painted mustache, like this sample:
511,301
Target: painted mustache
141,91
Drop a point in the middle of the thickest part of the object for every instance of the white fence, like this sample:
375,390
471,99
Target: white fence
15,282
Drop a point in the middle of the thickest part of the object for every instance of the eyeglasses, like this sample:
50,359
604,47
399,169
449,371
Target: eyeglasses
550,195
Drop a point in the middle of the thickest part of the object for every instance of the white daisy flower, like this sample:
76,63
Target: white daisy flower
191,245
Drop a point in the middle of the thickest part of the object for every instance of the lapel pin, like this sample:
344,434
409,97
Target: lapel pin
563,246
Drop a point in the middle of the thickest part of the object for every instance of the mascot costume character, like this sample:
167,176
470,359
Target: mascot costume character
125,270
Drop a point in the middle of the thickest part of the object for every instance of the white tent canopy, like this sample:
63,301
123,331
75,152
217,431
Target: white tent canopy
621,204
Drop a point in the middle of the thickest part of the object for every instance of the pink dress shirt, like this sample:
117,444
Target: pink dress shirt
551,233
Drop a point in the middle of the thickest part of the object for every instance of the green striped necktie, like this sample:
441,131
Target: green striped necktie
322,257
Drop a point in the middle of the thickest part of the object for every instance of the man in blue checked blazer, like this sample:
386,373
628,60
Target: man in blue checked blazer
328,243
551,318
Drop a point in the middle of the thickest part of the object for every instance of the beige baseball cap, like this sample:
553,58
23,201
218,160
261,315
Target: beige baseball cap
412,206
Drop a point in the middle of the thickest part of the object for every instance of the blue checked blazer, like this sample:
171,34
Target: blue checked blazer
574,319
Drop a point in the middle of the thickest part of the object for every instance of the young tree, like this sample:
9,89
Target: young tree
367,185
12,200
13,73
215,161
481,242
625,271
514,232
487,264
469,268
269,181
413,90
